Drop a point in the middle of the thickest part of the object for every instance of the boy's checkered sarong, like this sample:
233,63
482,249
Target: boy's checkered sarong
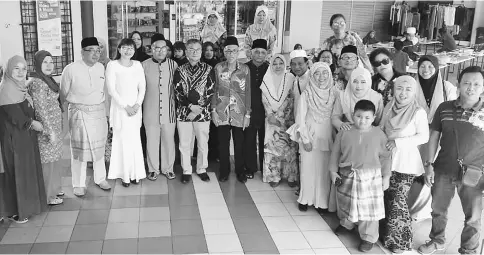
360,196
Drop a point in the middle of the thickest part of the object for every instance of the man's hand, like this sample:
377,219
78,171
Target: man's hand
334,177
308,147
429,175
246,123
385,183
192,116
196,109
215,119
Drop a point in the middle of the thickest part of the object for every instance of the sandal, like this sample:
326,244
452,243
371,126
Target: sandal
152,176
61,194
56,201
170,175
16,219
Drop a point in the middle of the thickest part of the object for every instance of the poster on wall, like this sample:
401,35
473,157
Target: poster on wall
49,26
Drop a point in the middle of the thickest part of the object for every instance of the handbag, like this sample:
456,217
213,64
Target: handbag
470,175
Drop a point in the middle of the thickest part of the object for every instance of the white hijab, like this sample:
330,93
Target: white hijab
348,98
276,95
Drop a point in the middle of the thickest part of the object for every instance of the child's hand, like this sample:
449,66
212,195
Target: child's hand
386,183
308,147
334,177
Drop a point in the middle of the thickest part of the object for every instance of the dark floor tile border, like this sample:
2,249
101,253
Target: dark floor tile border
242,190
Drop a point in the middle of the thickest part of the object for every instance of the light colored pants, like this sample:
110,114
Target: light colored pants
368,230
78,169
160,136
185,133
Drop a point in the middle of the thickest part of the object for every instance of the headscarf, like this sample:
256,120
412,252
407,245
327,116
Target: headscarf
211,33
433,88
348,98
11,90
38,59
368,39
397,116
140,53
267,25
276,98
317,97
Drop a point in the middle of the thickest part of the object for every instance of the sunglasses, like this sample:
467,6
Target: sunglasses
385,61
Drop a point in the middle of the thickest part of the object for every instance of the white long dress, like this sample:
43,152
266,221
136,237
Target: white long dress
127,86
316,186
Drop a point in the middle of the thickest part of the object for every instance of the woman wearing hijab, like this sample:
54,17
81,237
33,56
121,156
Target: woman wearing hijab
261,29
214,32
313,132
279,150
405,123
370,38
435,91
338,25
359,87
140,53
22,184
45,96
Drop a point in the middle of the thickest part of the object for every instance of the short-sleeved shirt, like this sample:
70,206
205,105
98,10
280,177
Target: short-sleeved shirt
470,132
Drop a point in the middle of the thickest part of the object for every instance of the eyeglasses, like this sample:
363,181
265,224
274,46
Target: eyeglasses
125,48
158,49
230,52
346,58
193,51
341,23
93,51
385,61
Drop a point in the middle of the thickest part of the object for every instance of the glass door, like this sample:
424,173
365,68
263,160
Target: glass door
124,17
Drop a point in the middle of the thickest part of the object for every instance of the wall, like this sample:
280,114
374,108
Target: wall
76,28
478,19
305,24
11,39
99,13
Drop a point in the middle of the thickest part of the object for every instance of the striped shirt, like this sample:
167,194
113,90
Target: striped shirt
470,132
159,103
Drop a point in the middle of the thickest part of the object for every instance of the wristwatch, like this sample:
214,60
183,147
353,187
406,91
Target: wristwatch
428,163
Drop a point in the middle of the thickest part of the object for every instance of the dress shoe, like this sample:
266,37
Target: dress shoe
125,184
104,185
292,184
249,176
322,211
186,178
242,178
365,246
274,184
134,182
79,191
223,178
204,177
302,207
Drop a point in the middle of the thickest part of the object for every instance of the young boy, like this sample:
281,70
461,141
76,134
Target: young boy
360,169
179,54
400,58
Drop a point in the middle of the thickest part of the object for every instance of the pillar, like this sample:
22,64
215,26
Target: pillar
87,18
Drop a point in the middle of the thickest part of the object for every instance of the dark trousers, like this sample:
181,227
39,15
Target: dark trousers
250,148
443,191
224,135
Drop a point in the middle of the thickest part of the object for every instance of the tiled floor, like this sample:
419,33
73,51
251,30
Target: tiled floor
168,217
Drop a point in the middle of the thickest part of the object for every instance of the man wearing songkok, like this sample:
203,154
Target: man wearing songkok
300,68
82,89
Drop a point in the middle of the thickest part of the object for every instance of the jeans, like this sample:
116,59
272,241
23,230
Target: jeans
443,191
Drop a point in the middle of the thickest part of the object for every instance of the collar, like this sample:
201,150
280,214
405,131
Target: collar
156,61
199,63
477,107
226,64
260,66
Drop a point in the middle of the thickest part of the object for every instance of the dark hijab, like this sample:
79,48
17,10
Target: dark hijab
428,85
38,59
140,53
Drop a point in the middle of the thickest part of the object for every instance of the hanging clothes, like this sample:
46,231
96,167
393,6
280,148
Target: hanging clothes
432,22
416,21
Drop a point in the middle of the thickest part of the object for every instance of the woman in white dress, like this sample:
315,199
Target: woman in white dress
126,84
313,131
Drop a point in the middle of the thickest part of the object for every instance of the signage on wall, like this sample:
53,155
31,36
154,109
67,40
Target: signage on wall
49,33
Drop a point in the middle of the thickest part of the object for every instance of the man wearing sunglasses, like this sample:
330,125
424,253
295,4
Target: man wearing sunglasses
159,116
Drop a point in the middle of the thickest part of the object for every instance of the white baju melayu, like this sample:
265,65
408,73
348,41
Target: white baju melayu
127,86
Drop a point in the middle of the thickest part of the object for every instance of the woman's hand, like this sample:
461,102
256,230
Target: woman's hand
52,137
308,146
345,126
391,145
37,126
385,183
334,177
130,110
136,108
272,120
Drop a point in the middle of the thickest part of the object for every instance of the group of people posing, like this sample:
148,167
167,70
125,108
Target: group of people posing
354,142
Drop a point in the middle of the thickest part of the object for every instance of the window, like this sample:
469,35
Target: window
29,31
